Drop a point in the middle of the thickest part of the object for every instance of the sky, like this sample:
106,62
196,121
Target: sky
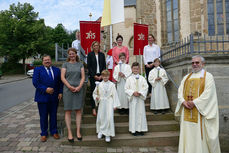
67,12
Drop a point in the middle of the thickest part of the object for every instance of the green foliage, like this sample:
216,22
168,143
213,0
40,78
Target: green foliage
37,62
12,68
21,33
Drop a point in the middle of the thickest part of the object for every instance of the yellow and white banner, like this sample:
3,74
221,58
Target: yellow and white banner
113,12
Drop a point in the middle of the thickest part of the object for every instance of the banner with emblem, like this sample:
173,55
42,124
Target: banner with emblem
140,38
89,32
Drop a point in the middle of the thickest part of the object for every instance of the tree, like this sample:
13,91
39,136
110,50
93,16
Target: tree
22,34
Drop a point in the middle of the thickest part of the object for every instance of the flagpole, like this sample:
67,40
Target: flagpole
111,36
140,51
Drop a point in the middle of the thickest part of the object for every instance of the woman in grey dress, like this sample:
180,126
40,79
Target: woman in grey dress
72,75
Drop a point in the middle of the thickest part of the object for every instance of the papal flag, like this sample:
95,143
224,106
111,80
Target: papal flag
113,12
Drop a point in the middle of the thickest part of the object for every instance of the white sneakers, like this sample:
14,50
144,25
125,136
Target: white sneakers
100,135
108,139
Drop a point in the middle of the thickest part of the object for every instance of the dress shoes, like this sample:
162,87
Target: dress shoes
71,140
56,136
43,138
79,138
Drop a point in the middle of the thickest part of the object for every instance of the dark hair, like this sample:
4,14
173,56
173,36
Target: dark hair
157,59
152,36
119,36
74,50
135,64
122,54
45,55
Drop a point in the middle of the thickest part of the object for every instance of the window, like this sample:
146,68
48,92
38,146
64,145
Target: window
172,20
218,17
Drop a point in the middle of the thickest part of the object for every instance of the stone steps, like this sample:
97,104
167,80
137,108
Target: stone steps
123,127
168,138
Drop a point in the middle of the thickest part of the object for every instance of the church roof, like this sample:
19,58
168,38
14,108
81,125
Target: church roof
129,2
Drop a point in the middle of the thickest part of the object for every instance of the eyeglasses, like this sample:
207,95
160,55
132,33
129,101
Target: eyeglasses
195,63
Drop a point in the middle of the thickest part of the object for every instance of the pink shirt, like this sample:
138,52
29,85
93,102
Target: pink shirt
116,51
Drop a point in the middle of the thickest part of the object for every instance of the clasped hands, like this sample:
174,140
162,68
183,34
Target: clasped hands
158,79
188,104
121,74
136,94
74,89
50,91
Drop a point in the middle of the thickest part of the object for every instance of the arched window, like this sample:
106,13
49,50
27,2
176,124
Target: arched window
172,20
218,17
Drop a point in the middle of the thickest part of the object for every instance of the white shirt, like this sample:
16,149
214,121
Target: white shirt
109,59
75,44
97,61
50,70
150,53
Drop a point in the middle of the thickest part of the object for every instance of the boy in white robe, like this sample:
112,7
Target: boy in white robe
136,89
121,72
106,96
158,78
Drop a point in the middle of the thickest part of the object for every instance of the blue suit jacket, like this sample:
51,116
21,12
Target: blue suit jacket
42,81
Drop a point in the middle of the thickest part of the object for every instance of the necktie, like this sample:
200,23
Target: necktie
50,73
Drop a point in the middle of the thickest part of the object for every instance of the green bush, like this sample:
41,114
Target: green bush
37,62
12,68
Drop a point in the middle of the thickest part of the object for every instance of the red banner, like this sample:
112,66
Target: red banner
89,32
140,38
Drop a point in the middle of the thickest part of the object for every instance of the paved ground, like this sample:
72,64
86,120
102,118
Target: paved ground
19,132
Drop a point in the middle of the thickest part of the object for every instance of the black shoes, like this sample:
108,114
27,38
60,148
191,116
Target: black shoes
79,138
138,134
71,140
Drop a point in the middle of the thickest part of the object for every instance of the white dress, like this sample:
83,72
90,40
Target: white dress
126,70
159,98
190,132
108,100
137,114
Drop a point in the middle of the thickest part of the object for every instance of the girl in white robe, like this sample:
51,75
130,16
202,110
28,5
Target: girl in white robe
106,96
121,72
158,79
136,89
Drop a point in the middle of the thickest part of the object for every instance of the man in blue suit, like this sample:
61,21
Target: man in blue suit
49,89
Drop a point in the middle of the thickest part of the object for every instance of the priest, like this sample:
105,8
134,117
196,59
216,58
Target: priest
198,110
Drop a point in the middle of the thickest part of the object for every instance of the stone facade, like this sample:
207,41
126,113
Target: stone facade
218,66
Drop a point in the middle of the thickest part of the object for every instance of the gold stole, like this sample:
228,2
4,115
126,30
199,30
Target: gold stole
193,88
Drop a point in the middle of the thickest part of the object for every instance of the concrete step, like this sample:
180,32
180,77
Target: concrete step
169,138
89,119
87,109
121,128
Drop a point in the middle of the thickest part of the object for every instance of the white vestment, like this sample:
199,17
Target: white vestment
159,98
126,70
137,114
108,100
192,140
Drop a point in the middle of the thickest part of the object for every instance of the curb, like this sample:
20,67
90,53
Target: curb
10,81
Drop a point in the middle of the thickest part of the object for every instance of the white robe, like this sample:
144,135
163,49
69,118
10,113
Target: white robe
159,98
190,132
108,100
126,70
137,114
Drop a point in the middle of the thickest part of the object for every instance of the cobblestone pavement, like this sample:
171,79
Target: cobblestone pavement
20,128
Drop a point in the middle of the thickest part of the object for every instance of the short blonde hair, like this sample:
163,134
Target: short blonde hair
93,43
105,73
